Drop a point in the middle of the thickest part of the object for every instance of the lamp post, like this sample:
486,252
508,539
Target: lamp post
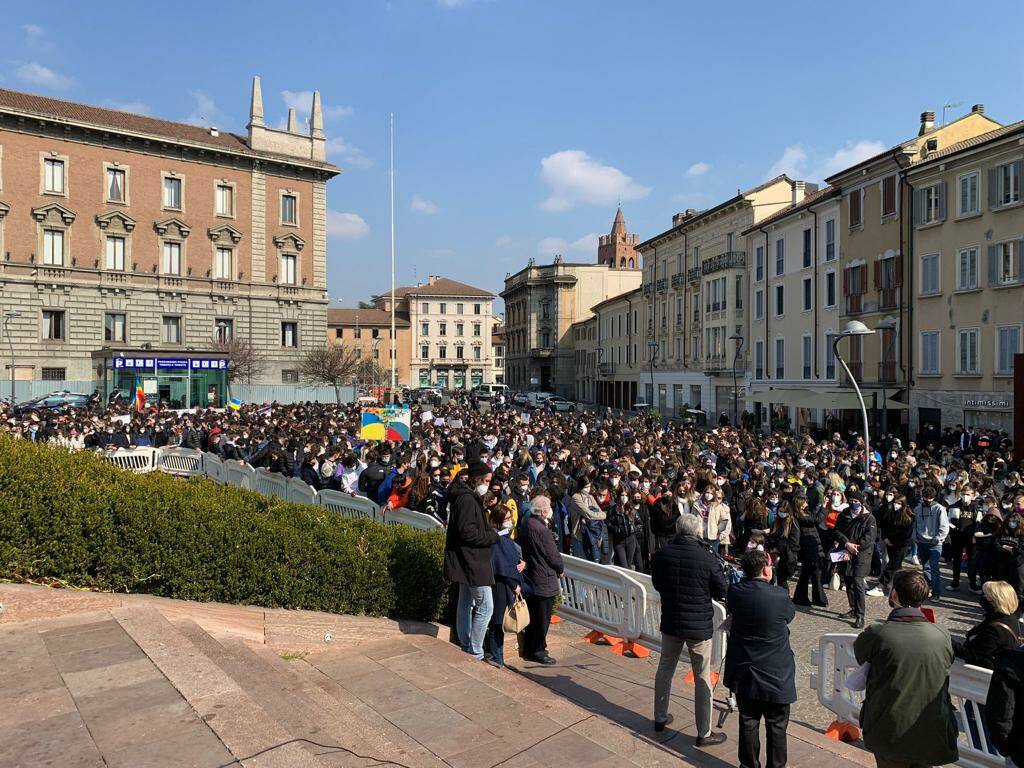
856,328
8,315
735,388
887,324
653,347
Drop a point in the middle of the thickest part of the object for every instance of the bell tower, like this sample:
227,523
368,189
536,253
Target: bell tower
617,249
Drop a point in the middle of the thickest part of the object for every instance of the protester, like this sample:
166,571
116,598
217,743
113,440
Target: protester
760,668
544,567
1004,707
907,715
856,535
688,577
996,632
931,527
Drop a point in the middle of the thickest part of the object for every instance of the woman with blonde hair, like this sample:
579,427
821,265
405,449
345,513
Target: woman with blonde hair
996,632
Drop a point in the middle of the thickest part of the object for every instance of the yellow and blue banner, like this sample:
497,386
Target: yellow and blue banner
392,422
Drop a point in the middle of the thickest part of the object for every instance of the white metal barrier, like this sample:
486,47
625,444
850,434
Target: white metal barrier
409,517
213,468
601,597
239,474
137,460
968,687
184,462
300,492
270,484
354,507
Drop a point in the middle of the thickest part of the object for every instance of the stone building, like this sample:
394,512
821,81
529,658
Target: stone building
132,244
620,346
498,352
368,333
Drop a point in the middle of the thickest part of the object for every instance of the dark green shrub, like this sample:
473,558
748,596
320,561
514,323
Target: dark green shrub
76,518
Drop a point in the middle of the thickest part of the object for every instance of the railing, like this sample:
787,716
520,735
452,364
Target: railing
408,517
239,474
887,371
648,289
678,279
352,507
716,363
662,284
693,274
834,660
183,462
300,492
213,468
727,260
606,369
139,460
601,597
271,484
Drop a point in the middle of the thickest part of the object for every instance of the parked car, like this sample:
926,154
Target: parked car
538,399
520,398
487,391
560,404
55,402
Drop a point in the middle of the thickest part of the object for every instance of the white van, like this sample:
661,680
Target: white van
487,391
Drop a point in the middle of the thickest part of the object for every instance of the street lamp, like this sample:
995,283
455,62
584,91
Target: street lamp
888,324
8,315
653,347
735,388
856,328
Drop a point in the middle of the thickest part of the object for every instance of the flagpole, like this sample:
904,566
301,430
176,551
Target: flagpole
394,383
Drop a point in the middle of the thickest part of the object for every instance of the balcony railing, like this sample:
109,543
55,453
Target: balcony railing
855,304
678,279
723,364
542,351
888,298
606,369
662,284
648,289
693,274
887,372
727,260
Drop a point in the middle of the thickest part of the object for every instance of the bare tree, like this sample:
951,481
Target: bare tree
245,360
332,365
370,372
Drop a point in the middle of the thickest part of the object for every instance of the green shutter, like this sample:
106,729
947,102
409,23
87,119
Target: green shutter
993,265
993,188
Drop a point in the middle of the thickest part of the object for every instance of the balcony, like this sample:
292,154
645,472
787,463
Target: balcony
678,279
693,274
606,369
727,260
723,364
887,372
888,298
855,304
648,289
542,352
662,284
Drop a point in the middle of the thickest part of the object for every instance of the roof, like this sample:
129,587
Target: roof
807,202
365,317
731,201
442,286
617,297
971,143
129,122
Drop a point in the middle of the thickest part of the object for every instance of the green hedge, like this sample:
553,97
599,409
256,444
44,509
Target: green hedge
76,518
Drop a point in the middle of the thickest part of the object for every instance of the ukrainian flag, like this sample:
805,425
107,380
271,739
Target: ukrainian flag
234,403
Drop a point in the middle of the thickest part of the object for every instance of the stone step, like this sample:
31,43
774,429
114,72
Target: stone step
303,707
254,738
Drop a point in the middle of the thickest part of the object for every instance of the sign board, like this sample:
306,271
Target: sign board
149,386
392,422
170,363
981,402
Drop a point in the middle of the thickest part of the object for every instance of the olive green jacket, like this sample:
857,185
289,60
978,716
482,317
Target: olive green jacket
907,715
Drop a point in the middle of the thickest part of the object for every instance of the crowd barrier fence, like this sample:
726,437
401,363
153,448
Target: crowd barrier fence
270,484
352,507
138,460
183,462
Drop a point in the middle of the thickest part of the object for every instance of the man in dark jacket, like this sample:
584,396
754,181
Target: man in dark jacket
759,665
1004,706
467,557
544,567
856,533
688,577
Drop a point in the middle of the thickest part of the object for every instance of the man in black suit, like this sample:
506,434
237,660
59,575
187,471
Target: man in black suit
759,664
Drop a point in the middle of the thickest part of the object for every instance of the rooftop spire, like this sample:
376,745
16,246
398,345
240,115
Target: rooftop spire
619,225
316,118
256,105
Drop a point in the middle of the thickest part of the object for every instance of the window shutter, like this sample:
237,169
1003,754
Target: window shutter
942,201
918,202
993,265
1017,257
878,273
846,281
863,278
1018,166
898,271
993,187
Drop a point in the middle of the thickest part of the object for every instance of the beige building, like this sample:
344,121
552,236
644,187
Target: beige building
695,289
450,332
498,352
585,355
967,286
544,302
620,344
876,280
133,244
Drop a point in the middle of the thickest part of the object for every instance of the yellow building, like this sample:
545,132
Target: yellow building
619,349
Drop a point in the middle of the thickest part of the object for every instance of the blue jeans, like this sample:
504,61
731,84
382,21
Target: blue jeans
595,539
929,555
476,604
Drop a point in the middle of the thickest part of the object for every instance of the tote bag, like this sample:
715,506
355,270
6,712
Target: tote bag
517,617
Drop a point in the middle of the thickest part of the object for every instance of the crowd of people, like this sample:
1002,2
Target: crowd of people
518,489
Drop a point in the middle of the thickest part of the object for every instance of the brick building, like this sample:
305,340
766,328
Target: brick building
368,332
131,245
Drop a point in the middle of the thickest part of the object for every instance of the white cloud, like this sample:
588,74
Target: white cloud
698,169
136,107
35,37
575,177
346,226
36,74
503,241
339,150
205,111
585,244
800,163
422,205
549,246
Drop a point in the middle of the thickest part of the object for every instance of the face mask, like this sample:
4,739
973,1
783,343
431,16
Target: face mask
1012,525
506,529
709,497
856,510
435,464
897,505
720,481
647,485
783,515
615,482
888,497
585,489
773,501
524,489
385,459
481,489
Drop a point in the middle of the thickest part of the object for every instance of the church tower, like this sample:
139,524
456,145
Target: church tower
618,248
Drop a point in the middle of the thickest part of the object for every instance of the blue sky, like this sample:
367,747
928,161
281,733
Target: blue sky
521,123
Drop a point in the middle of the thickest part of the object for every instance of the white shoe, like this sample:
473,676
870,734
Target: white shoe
915,560
875,592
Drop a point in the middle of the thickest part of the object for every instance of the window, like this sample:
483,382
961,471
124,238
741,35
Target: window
289,376
1007,345
807,248
854,202
739,295
115,253
424,329
930,352
759,359
967,196
930,274
1004,263
805,344
830,240
172,258
53,247
375,333
967,351
289,334
458,353
54,374
376,353
224,330
459,328
170,329
425,308
424,351
225,200
288,210
830,355
289,269
759,263
442,329
1004,184
932,204
53,325
442,308
53,176
967,269
780,359
115,328
780,257
830,289
807,294
357,333
459,308
476,329
758,304
116,192
172,193
889,196
780,304
476,309
442,353
224,264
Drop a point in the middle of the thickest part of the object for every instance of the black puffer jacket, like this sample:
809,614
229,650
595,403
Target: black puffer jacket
1004,706
468,540
688,576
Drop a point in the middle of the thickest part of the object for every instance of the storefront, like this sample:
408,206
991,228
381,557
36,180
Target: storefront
989,412
199,380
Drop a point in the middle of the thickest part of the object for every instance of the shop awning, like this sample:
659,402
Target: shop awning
837,399
794,397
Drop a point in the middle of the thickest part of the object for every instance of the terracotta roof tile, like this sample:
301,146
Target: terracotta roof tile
365,317
440,287
970,143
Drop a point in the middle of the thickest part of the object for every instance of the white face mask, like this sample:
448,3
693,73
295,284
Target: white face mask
783,515
615,482
709,497
435,464
888,497
897,505
481,488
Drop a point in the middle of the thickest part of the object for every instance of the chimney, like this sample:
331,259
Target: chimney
256,104
927,123
978,109
799,191
431,279
214,132
293,121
